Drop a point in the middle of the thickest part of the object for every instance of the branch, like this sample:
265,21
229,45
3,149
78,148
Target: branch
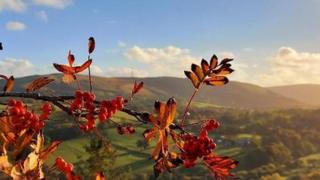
142,117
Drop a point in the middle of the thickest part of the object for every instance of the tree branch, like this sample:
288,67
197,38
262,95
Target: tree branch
142,117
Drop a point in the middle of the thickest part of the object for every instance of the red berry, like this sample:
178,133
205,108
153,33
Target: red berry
12,102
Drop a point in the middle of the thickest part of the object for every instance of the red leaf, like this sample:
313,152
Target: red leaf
91,45
137,87
220,166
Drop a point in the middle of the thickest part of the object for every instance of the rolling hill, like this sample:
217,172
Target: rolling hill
234,94
306,93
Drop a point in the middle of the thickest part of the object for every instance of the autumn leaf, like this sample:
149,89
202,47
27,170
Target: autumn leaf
211,74
70,58
9,83
44,154
91,45
205,66
165,116
38,84
136,87
70,71
100,176
217,81
213,62
194,79
220,166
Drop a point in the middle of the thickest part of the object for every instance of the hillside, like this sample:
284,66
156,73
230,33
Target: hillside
234,94
306,93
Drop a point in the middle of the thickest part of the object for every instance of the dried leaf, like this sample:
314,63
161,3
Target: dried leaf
205,66
84,66
217,81
31,162
225,61
5,164
220,166
149,134
213,62
223,70
70,58
44,154
136,87
91,45
69,72
100,176
194,79
38,84
9,85
171,109
198,71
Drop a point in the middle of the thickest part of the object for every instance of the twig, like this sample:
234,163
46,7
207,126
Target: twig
58,101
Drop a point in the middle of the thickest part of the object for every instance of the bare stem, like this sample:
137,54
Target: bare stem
186,110
90,81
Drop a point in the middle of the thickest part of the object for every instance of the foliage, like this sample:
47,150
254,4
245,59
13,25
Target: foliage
24,152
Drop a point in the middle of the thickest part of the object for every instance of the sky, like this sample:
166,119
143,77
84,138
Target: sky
273,42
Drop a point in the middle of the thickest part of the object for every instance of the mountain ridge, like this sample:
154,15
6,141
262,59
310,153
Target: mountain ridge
234,94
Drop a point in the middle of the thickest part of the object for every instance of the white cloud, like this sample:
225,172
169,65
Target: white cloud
42,15
167,61
15,26
13,5
125,72
59,4
292,67
16,67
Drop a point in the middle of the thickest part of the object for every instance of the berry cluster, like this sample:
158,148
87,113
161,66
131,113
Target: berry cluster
21,118
66,168
125,130
84,102
109,108
197,147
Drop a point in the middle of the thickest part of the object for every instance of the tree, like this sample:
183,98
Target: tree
22,128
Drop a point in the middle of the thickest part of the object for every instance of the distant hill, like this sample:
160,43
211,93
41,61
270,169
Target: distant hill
234,94
306,93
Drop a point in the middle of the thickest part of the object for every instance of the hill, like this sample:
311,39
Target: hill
234,94
305,93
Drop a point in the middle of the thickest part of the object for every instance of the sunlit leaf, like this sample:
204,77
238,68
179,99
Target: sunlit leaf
198,71
38,84
70,58
31,162
9,85
194,79
225,61
160,108
44,154
149,134
220,166
69,72
91,45
137,87
100,176
217,81
213,62
205,66
170,113
223,70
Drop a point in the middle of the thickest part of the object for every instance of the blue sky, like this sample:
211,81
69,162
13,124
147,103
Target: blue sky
274,42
